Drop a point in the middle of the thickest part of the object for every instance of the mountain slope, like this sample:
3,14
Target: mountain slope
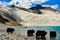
28,17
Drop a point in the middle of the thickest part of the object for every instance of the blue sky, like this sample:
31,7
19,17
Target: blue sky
5,0
52,3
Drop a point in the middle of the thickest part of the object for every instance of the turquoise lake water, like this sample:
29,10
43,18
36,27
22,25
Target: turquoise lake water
23,31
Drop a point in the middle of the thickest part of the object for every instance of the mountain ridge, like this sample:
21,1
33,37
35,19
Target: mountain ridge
27,17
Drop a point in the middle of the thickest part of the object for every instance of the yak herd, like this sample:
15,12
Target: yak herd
30,33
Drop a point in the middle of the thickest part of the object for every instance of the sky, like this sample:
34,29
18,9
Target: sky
55,4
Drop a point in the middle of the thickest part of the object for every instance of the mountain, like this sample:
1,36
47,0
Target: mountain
35,16
36,9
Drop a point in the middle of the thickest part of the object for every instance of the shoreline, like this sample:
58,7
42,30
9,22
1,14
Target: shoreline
5,36
28,26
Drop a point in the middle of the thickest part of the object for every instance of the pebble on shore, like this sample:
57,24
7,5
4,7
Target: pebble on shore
6,36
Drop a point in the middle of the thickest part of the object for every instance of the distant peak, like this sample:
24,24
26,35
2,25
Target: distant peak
37,7
12,6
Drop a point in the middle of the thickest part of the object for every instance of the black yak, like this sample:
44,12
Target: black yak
40,34
10,30
52,34
30,32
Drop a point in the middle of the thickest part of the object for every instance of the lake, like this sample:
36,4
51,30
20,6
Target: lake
23,31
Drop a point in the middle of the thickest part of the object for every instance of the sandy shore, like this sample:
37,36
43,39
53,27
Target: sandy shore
5,36
3,25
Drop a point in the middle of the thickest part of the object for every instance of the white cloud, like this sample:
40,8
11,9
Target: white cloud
38,1
55,6
0,2
13,2
3,4
24,3
27,3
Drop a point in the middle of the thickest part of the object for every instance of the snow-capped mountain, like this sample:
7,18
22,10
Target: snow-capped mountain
35,16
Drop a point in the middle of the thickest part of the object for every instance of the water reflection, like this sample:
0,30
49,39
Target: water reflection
50,38
53,38
41,39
